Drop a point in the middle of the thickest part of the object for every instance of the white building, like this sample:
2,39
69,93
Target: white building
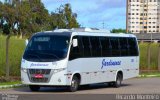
143,16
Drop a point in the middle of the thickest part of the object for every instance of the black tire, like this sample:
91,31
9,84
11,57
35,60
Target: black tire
74,84
34,87
118,81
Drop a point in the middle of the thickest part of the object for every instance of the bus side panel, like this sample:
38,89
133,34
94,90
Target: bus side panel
90,70
94,70
132,69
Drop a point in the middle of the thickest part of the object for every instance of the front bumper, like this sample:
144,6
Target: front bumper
54,79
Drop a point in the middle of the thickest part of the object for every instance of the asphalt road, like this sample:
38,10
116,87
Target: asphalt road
130,86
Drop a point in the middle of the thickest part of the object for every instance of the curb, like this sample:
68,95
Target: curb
148,75
12,86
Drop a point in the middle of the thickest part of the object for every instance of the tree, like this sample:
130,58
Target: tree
70,17
118,30
8,17
24,17
40,16
31,16
1,20
63,17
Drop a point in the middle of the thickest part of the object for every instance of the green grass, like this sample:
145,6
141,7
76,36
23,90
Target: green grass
10,83
154,56
150,74
16,49
144,56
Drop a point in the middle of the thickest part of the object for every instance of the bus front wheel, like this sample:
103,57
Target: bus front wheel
74,84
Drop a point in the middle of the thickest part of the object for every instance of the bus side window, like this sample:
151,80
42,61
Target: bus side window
81,47
124,46
76,52
115,46
106,47
133,49
87,46
96,48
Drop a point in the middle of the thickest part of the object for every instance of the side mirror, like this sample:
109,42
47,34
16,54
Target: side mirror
75,42
26,42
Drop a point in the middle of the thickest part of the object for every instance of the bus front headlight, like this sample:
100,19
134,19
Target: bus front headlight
24,70
58,70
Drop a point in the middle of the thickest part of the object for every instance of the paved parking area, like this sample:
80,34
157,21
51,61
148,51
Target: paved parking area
130,86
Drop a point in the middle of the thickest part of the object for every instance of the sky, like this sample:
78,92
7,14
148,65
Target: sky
93,13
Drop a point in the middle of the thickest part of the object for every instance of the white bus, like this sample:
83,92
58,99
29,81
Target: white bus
77,57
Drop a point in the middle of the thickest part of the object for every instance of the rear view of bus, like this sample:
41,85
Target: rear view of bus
79,57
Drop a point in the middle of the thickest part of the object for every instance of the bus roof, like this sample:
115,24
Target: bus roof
84,32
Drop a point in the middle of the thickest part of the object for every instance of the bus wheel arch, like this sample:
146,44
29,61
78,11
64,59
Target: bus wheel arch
121,73
78,76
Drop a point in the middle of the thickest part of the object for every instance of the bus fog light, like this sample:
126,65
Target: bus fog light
24,70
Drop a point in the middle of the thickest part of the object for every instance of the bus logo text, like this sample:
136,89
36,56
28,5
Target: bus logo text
110,63
38,65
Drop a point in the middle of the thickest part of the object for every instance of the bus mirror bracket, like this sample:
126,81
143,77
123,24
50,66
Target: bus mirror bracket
75,42
26,42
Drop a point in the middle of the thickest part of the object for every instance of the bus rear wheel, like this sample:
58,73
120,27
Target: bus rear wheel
34,87
118,81
74,84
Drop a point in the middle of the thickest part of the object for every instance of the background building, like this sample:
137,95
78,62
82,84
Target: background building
143,16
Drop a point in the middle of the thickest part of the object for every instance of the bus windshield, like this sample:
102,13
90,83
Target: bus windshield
47,48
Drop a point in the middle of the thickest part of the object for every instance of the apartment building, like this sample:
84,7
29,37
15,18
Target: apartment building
143,16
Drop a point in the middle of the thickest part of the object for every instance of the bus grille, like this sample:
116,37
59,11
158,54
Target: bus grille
46,73
39,71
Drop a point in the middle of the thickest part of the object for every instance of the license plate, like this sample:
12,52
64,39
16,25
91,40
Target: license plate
38,75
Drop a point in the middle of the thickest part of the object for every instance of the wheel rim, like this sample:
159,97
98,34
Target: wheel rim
119,80
74,84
